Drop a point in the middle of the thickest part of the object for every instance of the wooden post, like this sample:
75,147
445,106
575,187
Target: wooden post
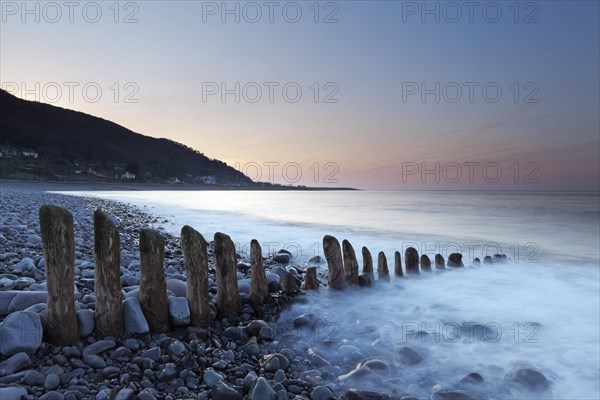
107,284
259,288
383,273
398,265
56,225
439,262
310,279
411,260
455,260
153,285
425,263
350,263
333,254
289,284
367,262
228,296
195,260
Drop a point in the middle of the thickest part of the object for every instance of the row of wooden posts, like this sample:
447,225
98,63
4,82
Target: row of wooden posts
343,265
57,233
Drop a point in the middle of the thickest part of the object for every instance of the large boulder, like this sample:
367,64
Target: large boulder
20,332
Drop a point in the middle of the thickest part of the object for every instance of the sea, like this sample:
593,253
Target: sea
541,309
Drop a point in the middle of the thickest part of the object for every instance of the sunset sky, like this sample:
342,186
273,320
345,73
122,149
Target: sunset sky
369,124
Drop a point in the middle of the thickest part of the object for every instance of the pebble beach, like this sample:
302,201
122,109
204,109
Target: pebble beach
257,357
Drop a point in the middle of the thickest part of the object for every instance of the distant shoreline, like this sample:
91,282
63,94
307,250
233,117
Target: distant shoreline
118,186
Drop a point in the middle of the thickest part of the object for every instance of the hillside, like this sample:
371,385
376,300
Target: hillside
75,145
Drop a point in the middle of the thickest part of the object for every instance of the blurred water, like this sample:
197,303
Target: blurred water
544,305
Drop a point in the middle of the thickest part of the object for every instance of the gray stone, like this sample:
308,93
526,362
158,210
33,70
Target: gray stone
134,320
14,364
321,393
33,378
152,354
99,347
178,287
86,321
34,239
169,372
125,394
262,391
12,393
211,377
282,258
22,300
408,356
528,378
94,361
222,391
25,265
20,332
179,311
176,348
51,382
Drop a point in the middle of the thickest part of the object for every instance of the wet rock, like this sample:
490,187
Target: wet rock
176,348
51,382
178,287
21,300
99,347
408,356
273,362
12,393
94,361
169,372
366,280
133,318
211,377
472,378
152,354
452,395
179,311
528,378
20,332
86,322
125,394
365,394
321,393
14,364
262,391
222,391
33,378
282,258
316,260
455,260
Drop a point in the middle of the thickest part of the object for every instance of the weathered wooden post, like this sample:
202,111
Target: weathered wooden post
398,265
383,272
411,260
439,262
153,285
56,225
455,260
259,288
367,262
289,284
425,263
107,284
333,254
310,279
195,260
228,296
350,263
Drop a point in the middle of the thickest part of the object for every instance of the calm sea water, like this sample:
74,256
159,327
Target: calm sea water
544,304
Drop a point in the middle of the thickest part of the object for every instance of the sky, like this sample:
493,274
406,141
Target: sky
369,94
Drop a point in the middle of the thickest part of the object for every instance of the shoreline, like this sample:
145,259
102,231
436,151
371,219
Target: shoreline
117,186
187,362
